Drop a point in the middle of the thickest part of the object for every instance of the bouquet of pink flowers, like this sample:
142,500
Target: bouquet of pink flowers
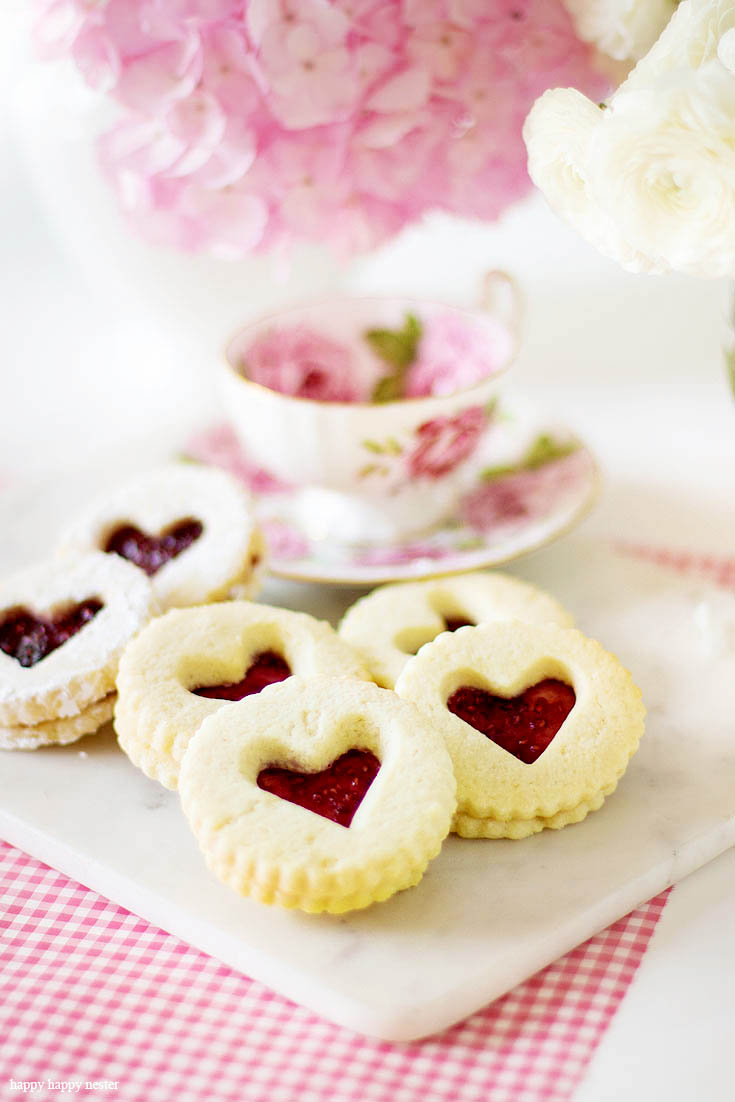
250,124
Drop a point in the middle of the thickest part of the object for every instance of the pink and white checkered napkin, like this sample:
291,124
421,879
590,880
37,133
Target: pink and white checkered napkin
90,993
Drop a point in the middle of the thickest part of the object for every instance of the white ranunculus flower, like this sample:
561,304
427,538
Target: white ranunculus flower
690,40
559,133
662,168
651,180
726,50
624,29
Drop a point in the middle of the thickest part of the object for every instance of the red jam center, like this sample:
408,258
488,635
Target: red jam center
523,725
454,623
150,553
28,638
336,792
451,623
267,669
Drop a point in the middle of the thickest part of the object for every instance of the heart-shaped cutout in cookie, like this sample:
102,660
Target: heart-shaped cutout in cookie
335,792
451,623
148,552
29,638
268,668
523,725
454,623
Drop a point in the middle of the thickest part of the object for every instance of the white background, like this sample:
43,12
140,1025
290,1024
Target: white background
634,364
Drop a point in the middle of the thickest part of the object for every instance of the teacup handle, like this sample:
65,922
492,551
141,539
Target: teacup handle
501,297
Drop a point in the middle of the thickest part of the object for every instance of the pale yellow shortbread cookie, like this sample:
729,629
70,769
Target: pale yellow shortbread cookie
228,554
392,623
157,714
263,845
499,795
469,827
82,670
59,732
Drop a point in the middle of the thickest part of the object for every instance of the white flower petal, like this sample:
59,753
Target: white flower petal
624,29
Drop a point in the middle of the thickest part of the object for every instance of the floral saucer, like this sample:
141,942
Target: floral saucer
504,512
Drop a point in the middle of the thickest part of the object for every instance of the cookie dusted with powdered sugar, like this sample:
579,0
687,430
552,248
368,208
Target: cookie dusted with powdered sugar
325,795
191,529
392,623
540,723
186,664
59,732
64,624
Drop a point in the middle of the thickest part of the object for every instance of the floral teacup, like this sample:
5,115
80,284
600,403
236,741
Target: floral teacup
374,407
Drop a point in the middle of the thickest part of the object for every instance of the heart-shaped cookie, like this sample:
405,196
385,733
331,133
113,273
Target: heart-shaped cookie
540,723
267,668
335,792
190,662
29,638
524,725
63,626
323,794
149,552
392,623
190,528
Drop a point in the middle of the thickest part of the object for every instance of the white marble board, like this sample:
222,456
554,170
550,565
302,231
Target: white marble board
487,914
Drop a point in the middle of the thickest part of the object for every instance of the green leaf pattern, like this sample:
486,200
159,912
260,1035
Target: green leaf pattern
544,449
397,348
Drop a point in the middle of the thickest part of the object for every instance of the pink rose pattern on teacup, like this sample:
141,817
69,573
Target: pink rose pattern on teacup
402,554
550,476
445,442
454,354
219,447
285,542
518,497
436,449
299,361
429,357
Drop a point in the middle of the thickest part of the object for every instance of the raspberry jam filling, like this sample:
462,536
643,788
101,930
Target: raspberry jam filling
523,725
267,669
454,623
150,553
335,793
451,623
28,638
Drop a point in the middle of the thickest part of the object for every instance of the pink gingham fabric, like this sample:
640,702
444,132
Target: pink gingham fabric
91,994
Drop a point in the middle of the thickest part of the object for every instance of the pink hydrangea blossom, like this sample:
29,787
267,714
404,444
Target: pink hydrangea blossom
248,125
456,352
298,360
445,442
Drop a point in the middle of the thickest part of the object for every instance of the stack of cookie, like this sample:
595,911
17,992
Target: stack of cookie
311,747
191,529
309,786
178,535
539,720
64,626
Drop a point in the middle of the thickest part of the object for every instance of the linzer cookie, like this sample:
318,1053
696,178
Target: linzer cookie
58,732
189,528
322,794
392,623
540,723
63,626
186,664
